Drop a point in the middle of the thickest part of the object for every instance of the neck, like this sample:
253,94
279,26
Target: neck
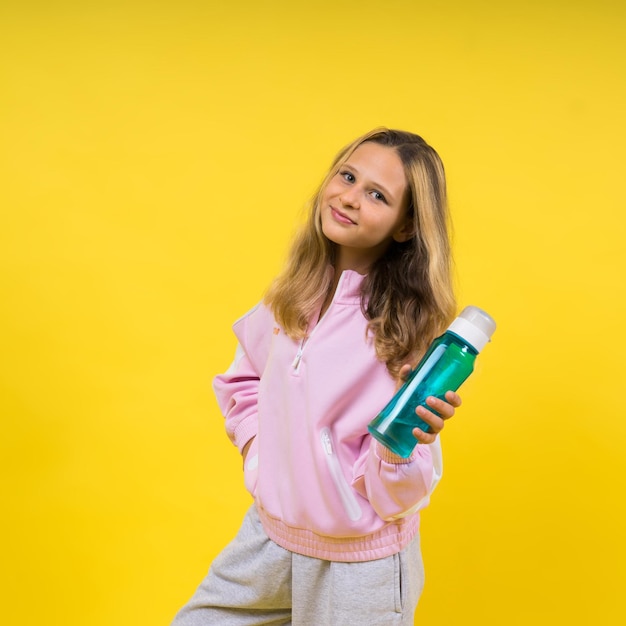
340,265
346,259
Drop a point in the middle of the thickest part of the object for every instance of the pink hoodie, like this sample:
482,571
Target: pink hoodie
323,486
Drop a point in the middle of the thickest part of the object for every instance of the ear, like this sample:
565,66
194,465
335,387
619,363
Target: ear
405,231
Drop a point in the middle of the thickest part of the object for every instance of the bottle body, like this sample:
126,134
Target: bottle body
445,366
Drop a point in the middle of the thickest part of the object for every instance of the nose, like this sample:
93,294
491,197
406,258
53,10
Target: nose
350,197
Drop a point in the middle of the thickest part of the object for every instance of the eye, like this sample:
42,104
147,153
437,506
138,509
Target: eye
379,196
347,176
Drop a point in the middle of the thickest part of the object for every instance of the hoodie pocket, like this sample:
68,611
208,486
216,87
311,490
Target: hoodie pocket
344,490
251,467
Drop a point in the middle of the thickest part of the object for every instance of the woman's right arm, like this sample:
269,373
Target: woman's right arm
237,392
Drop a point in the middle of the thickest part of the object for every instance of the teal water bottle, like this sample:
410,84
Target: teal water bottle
447,363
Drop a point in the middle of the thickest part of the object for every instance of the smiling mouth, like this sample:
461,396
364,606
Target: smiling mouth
340,217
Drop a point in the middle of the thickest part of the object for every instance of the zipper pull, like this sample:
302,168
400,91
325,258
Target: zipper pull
326,444
298,358
296,361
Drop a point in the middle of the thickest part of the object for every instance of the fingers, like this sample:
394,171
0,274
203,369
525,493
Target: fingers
445,409
423,437
454,399
405,370
403,374
434,421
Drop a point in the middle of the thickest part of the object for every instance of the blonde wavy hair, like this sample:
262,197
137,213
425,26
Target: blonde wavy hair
407,295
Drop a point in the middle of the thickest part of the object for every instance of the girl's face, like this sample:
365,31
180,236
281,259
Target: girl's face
364,206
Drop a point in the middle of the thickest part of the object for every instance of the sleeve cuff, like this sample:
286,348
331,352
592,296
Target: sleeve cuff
244,432
387,456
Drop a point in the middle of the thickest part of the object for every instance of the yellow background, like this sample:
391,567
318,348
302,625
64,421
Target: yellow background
155,158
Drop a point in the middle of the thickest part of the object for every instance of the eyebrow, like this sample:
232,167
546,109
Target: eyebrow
386,192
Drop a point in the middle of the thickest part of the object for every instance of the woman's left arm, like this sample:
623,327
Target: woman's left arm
396,486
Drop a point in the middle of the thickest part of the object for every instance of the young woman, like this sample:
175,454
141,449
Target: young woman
332,537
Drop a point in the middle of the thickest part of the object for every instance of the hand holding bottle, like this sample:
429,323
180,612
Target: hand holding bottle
447,363
443,410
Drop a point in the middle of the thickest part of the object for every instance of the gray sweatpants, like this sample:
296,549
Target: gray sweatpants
255,581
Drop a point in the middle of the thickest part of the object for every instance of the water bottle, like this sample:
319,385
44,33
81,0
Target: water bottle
447,363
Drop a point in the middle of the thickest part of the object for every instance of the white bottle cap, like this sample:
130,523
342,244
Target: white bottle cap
474,326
